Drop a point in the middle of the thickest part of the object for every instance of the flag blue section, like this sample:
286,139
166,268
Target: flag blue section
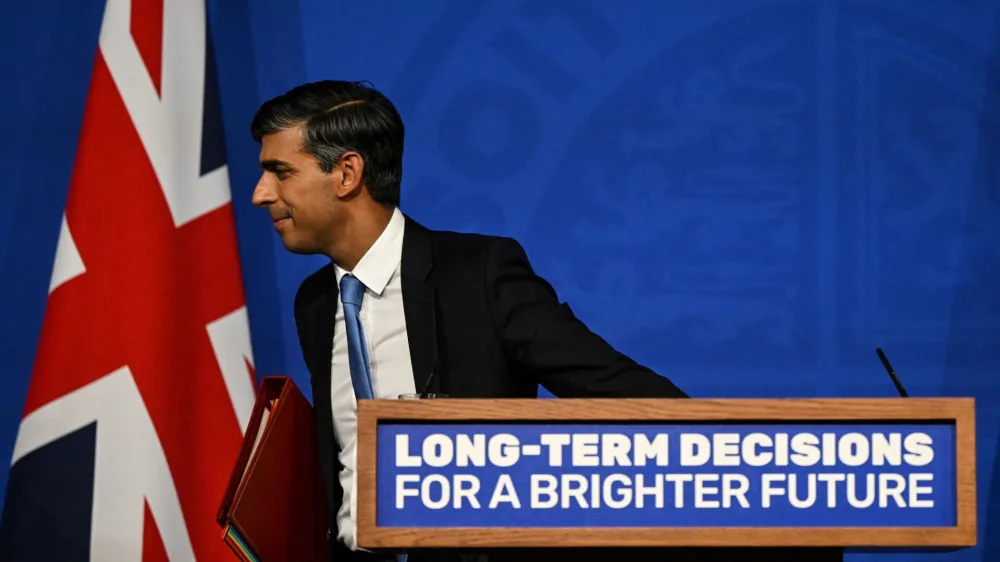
47,512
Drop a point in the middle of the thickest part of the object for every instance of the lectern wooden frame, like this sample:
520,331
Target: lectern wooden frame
957,411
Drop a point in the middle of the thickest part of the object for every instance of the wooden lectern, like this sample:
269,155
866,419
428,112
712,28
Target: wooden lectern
481,474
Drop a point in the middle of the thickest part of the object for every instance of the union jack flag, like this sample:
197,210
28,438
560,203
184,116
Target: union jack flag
143,380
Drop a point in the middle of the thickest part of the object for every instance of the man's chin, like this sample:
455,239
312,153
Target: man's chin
301,251
297,247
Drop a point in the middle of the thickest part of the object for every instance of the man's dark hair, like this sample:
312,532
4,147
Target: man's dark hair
337,117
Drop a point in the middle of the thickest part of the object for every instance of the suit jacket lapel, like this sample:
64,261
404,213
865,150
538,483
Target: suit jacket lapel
419,307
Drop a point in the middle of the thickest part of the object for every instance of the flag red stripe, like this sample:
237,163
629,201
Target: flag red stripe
146,27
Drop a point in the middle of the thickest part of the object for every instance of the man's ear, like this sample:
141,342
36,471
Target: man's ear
352,167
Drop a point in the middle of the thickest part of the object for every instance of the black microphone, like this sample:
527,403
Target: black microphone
892,372
434,332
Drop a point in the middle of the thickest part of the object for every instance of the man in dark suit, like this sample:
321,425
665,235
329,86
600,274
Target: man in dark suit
400,308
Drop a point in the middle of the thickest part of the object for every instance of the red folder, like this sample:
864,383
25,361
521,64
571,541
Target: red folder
274,509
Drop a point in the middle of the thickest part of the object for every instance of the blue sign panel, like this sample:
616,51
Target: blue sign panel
712,475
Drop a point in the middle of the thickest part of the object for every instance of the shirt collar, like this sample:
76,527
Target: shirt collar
376,267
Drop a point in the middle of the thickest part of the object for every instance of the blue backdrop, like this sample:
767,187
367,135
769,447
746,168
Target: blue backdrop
749,196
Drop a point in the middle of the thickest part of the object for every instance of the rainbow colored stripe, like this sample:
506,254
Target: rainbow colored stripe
236,542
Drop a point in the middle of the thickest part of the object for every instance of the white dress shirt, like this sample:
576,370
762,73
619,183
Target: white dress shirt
384,327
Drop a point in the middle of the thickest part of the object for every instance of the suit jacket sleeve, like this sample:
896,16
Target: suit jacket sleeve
543,339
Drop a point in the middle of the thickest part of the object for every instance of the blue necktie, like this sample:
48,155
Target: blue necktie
352,293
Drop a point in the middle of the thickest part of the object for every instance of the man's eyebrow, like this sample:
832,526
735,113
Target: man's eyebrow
273,165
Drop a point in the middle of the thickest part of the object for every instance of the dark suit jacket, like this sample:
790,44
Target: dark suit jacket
480,319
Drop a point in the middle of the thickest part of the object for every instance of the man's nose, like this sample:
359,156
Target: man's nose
263,193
